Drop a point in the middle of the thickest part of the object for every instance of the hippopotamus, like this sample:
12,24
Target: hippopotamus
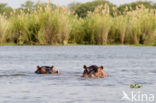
94,71
46,70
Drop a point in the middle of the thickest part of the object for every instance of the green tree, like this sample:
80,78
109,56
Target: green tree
4,8
83,9
28,4
73,6
133,5
44,5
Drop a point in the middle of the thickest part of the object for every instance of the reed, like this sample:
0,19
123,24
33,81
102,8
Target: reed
142,26
41,26
103,23
77,33
4,29
51,26
55,26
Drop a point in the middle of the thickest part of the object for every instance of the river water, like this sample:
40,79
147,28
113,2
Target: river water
125,65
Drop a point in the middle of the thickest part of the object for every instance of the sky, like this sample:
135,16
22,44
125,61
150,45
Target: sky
17,3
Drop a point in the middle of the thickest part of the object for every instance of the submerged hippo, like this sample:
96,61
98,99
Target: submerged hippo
46,70
94,72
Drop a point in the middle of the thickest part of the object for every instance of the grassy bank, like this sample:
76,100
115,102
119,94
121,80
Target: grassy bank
58,26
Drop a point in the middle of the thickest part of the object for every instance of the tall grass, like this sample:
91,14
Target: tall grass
77,33
103,23
52,26
42,26
55,27
136,27
142,26
4,29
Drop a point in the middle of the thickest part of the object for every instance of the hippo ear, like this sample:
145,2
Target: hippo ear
85,67
38,67
53,68
101,67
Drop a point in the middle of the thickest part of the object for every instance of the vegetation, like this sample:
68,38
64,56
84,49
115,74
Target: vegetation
83,9
102,23
135,86
73,6
5,9
133,6
28,4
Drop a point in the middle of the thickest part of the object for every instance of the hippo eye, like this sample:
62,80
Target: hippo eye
95,70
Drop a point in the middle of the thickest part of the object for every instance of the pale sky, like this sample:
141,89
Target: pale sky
17,3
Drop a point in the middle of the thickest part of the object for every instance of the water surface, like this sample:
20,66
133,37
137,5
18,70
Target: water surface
125,65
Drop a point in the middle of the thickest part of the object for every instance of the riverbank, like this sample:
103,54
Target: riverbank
117,44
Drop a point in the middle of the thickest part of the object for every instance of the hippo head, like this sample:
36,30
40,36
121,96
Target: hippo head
46,70
40,70
53,71
94,72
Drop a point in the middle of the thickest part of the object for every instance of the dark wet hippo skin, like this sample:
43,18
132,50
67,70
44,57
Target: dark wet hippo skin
94,71
46,70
